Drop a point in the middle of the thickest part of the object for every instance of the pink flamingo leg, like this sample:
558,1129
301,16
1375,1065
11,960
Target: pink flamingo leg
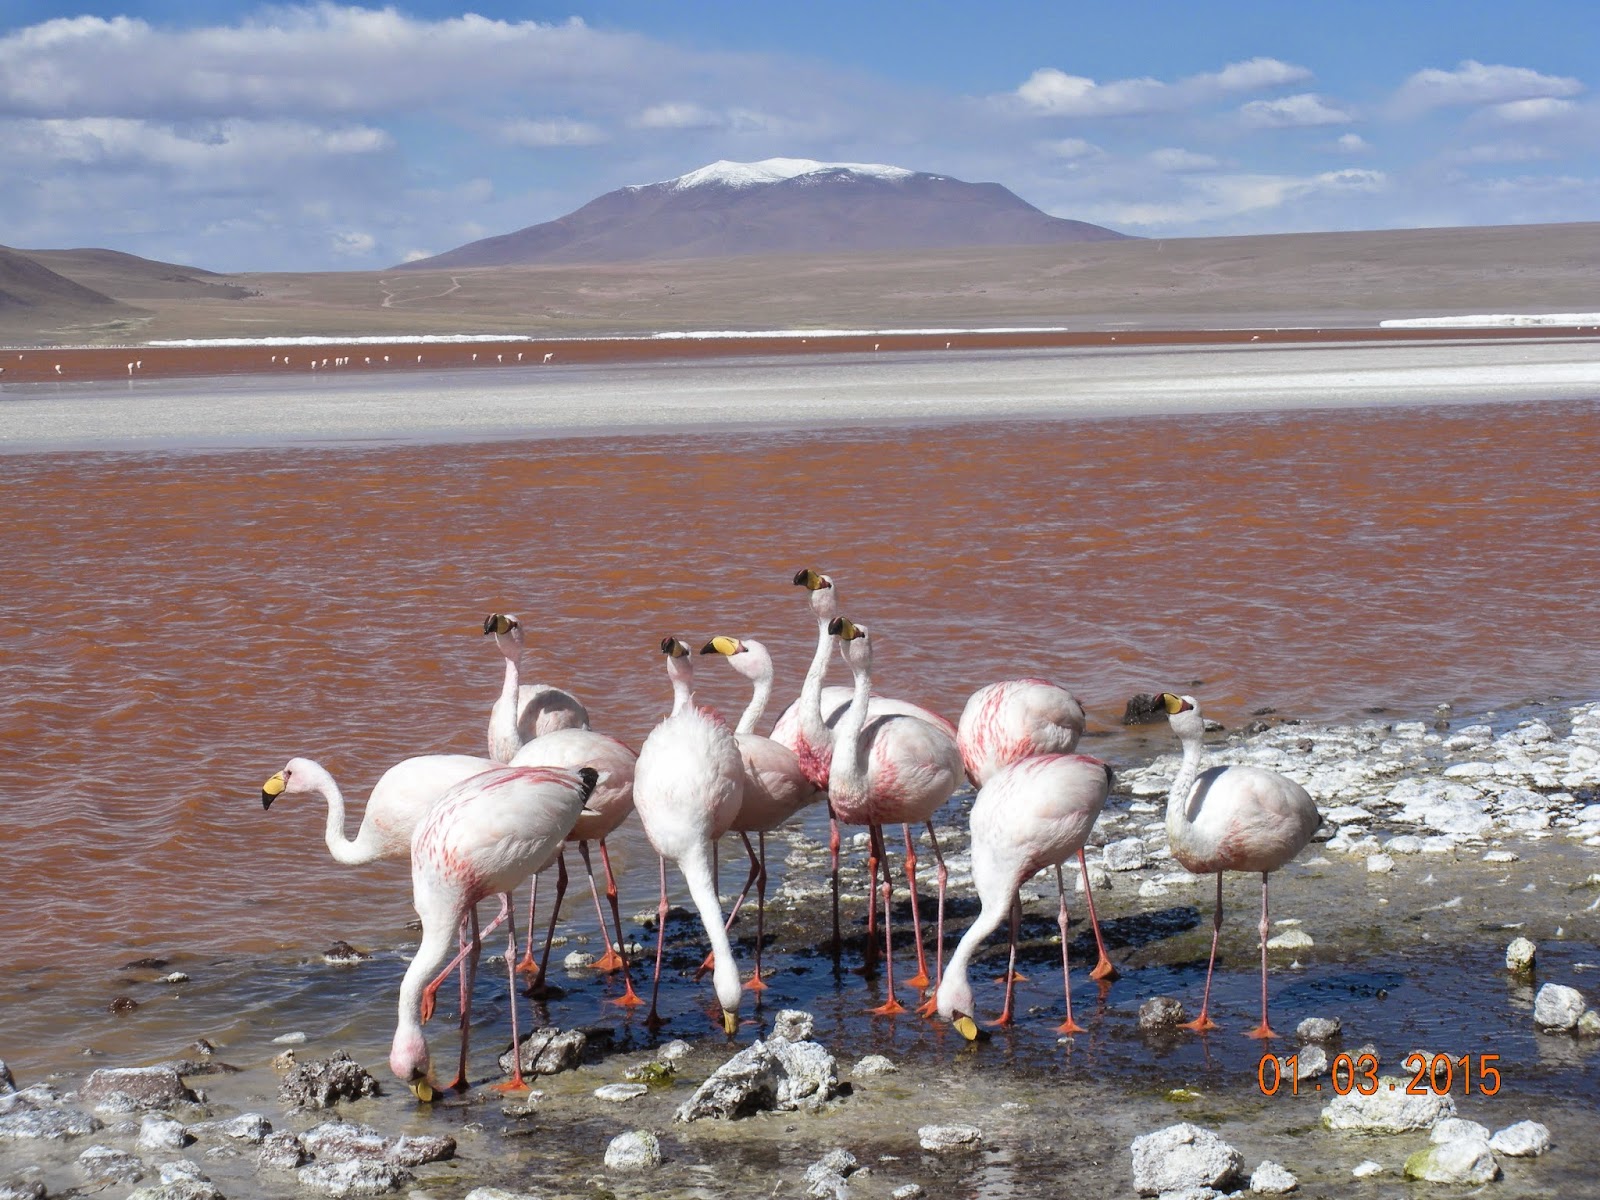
1263,1030
629,998
890,1006
1203,1022
1006,1014
1104,969
541,985
1069,1025
516,1082
755,983
654,1021
470,939
833,850
611,896
430,993
527,966
920,979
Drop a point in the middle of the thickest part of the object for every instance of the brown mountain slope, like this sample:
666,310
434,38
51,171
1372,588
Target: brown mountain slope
129,277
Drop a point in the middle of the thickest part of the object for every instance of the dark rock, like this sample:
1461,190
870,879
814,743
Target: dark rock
121,1005
1160,1013
126,1089
8,1085
1142,709
549,1051
324,1083
343,954
146,964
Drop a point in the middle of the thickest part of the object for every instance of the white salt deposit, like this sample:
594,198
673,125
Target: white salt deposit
1493,320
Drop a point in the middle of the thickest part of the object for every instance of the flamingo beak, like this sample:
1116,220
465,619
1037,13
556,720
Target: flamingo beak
272,789
721,645
1173,704
497,623
422,1090
811,580
730,1022
966,1027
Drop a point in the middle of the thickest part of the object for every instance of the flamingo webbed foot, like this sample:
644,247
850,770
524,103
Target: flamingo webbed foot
919,981
1105,970
1070,1026
609,961
1201,1024
1262,1031
889,1008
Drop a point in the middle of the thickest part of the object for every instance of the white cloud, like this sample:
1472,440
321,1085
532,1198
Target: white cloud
1178,161
1540,108
237,147
1352,143
352,244
555,131
1071,148
1052,92
1214,199
1500,152
1293,112
1474,83
676,115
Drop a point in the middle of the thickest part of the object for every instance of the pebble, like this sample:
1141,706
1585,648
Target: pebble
1520,954
621,1093
637,1150
873,1064
1557,1007
1525,1139
353,1177
1271,1179
1160,1012
1127,854
1379,864
160,1132
577,960
1290,939
1366,1169
1501,856
793,1025
495,1193
1182,1157
945,1139
1458,1129
290,1039
1388,1110
1468,1161
1318,1029
910,1191
126,1089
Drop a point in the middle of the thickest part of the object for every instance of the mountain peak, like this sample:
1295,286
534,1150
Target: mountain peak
725,173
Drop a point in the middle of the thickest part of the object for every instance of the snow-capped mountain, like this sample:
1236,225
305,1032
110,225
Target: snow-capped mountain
778,206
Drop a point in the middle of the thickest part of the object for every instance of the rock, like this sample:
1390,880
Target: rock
1270,1179
346,1141
636,1150
838,1160
1160,1013
944,1139
911,1191
577,960
1456,1129
1150,889
1502,856
1183,1156
1557,1007
324,1083
1366,1169
495,1193
290,1039
1525,1139
22,1189
1520,954
343,954
1388,1110
414,1149
182,1168
1379,864
182,1188
827,1178
549,1051
651,1073
1318,1029
792,1025
8,1085
28,1123
353,1177
775,1074
1142,709
871,1065
620,1093
674,1052
1469,1161
1290,939
160,1132
281,1152
1589,1024
127,1089
247,1127
107,1165
1128,854
1311,1061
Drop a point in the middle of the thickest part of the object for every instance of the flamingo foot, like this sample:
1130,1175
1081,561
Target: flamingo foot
1201,1024
889,1008
628,999
1070,1026
654,1021
919,981
527,966
609,961
1262,1030
1003,1021
755,983
1105,970
427,1007
512,1087
1015,977
929,1007
459,1084
707,964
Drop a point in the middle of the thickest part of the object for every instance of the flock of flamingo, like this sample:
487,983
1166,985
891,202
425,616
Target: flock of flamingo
478,827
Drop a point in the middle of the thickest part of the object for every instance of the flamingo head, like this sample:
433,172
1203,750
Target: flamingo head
854,646
507,631
749,658
954,1001
299,776
408,1059
680,666
725,980
1183,714
824,599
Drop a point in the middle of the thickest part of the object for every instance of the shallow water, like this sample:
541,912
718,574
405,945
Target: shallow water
179,623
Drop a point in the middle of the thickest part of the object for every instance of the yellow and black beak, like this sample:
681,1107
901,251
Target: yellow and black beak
844,627
965,1026
722,645
730,1022
673,648
272,789
811,580
1174,704
498,623
422,1090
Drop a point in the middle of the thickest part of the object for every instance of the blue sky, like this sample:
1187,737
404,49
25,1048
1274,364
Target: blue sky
332,137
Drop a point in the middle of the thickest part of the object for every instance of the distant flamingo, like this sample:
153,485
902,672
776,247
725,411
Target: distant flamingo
524,711
687,787
483,838
775,788
1003,723
887,769
1232,818
1030,815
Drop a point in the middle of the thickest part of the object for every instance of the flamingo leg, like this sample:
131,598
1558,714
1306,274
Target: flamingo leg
890,1006
468,976
611,960
1203,1022
541,984
869,955
1263,1030
930,1007
430,993
527,966
1006,1014
629,998
1104,969
756,983
654,1021
1069,1025
920,979
516,1082
611,898
833,850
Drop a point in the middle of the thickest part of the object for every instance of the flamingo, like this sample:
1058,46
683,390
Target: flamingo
1032,814
807,728
524,710
483,838
1233,818
889,768
1005,722
687,788
775,786
608,807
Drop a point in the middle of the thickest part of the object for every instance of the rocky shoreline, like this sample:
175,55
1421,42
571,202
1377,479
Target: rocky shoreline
1443,842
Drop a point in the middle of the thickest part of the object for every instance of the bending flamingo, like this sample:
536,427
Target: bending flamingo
687,788
1032,814
886,769
775,787
524,711
484,837
1234,818
1009,721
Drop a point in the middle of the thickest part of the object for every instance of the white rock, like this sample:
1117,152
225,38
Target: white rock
942,1139
1367,1169
1317,1029
1388,1110
1290,939
1183,1156
1557,1007
1469,1161
873,1064
1406,843
578,959
289,1039
1150,889
1379,864
620,1093
1520,954
1501,856
160,1132
1270,1179
637,1150
1458,1129
1525,1139
1128,854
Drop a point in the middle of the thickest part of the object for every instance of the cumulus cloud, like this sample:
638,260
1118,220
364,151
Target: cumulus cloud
1476,83
1052,92
353,244
1538,108
1220,197
1352,143
1500,152
555,131
1071,148
1293,112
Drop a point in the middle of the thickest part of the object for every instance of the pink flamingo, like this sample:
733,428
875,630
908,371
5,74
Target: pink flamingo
1234,818
1003,723
483,837
524,710
889,768
1032,814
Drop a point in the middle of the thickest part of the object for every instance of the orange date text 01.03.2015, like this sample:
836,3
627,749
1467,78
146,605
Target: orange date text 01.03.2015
1430,1076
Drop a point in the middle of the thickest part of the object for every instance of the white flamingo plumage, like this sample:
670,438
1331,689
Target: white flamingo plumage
524,711
1231,818
687,787
888,769
1031,814
483,838
1014,719
609,806
775,787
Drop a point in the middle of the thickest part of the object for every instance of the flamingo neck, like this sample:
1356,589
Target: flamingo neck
409,1051
1178,817
955,991
758,704
505,737
351,852
682,695
847,733
816,733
